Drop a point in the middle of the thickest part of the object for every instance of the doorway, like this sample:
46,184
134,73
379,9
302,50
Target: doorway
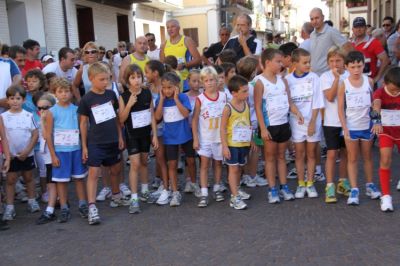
85,25
123,28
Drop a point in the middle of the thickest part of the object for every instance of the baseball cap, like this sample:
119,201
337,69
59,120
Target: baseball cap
359,22
47,57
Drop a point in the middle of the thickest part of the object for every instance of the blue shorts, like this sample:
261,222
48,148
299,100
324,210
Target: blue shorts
70,166
106,154
361,134
238,156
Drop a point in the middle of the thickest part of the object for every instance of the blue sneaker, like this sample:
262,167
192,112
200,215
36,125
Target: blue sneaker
372,191
353,198
273,195
285,193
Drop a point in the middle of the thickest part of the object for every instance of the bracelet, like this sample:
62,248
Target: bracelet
376,121
373,114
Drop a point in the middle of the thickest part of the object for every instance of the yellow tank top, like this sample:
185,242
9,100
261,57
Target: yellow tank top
179,50
140,63
239,131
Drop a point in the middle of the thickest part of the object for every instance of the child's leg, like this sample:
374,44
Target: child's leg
62,192
234,179
352,161
299,162
311,160
91,184
172,169
105,174
251,166
384,170
115,173
52,190
366,151
282,167
343,163
204,163
191,168
122,166
144,172
318,159
270,151
217,172
30,184
330,165
80,189
10,187
133,173
161,163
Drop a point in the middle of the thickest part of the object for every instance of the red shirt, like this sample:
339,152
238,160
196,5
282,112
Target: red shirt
371,49
388,102
36,64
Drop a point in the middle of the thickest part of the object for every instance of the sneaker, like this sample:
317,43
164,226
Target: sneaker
330,196
386,203
9,214
156,182
180,166
324,152
84,211
285,193
319,177
343,187
249,181
163,199
125,190
22,196
300,192
398,185
144,196
119,201
237,203
93,217
261,182
176,199
243,180
372,191
45,197
353,197
104,194
189,187
273,195
4,225
46,217
222,187
65,215
219,196
155,195
311,191
134,206
33,206
203,202
290,157
244,195
292,174
197,190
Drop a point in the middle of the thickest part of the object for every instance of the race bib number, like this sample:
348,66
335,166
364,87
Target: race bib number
103,112
277,102
141,118
215,109
390,118
302,90
66,137
172,114
241,134
358,99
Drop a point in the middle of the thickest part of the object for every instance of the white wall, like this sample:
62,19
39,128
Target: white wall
34,19
155,18
4,31
54,25
17,22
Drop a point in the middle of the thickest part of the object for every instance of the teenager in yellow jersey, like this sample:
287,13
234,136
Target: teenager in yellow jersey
139,57
236,135
183,48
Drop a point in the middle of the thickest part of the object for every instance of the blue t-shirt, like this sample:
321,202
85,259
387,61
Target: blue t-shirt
65,121
28,104
179,132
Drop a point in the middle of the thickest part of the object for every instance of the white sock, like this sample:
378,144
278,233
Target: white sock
329,184
204,192
145,188
134,196
216,187
50,209
318,169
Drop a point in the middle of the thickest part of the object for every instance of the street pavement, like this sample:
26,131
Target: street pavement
301,232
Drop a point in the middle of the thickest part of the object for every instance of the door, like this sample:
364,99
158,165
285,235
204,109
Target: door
85,25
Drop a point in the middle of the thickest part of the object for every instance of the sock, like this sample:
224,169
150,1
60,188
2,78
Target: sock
342,179
50,209
134,196
92,205
204,192
31,200
354,188
329,184
384,176
82,203
145,188
64,207
302,183
116,195
310,183
216,187
318,169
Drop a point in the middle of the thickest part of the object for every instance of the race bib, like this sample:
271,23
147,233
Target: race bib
172,114
141,118
215,109
66,137
301,90
390,118
277,101
241,134
358,99
103,112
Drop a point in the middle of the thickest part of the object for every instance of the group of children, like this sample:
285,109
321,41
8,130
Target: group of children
224,118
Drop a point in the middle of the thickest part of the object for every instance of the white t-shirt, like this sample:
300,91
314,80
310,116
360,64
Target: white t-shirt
228,94
306,44
117,60
253,116
55,67
306,94
331,116
18,127
154,55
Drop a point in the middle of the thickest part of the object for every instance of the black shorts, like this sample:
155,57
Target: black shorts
138,145
49,174
333,138
172,151
280,133
106,154
17,165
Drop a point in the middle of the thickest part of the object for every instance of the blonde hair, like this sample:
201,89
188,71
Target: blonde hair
209,70
89,45
60,83
193,72
97,68
334,50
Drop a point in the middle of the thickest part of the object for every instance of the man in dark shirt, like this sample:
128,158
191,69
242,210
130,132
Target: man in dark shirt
211,54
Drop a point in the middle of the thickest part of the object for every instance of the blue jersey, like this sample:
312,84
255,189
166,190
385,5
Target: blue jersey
65,128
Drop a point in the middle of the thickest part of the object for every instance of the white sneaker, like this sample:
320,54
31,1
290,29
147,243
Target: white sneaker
292,174
353,197
398,185
176,199
261,182
372,191
104,194
164,198
244,195
319,177
300,192
249,181
222,187
237,203
197,190
188,187
124,189
311,192
386,203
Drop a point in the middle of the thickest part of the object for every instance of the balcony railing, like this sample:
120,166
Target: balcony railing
356,3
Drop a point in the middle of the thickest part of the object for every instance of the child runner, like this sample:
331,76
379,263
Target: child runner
229,72
136,111
35,81
354,104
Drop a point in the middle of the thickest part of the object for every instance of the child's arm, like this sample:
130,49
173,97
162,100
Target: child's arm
124,110
48,136
184,111
154,127
292,107
121,143
224,121
195,125
6,149
376,115
76,83
34,138
331,93
159,110
342,117
311,125
258,95
83,126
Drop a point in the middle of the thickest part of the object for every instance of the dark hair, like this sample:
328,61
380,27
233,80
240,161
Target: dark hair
130,70
41,95
227,67
287,48
268,54
393,76
29,44
354,56
388,18
236,82
107,52
299,52
38,74
5,50
155,65
50,75
149,34
329,22
171,77
16,49
171,61
14,89
219,69
102,48
247,66
227,56
62,54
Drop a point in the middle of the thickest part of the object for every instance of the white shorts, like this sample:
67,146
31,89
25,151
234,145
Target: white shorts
299,133
211,150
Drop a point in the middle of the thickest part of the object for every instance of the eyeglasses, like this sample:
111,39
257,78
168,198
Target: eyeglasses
91,52
121,46
102,52
386,25
43,108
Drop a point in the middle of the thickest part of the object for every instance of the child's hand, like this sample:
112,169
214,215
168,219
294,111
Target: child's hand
311,129
335,72
162,96
226,152
300,118
377,129
22,156
84,155
155,143
176,93
132,100
55,161
265,135
346,133
6,165
121,144
196,145
253,146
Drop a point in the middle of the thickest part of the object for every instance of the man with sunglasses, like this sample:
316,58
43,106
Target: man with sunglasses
117,59
153,52
388,26
211,54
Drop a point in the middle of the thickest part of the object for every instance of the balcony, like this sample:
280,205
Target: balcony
237,6
167,5
356,3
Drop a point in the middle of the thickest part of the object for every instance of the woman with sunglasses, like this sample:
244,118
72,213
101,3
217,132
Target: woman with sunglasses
89,56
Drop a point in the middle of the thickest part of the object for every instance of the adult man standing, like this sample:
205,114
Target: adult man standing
391,44
183,48
32,61
17,53
211,54
243,43
306,31
117,59
153,52
388,26
322,38
371,48
139,57
9,74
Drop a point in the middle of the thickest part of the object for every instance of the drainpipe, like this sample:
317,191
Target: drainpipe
64,7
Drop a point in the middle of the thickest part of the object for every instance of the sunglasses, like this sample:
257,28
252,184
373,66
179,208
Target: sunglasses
386,25
91,52
40,108
121,46
151,40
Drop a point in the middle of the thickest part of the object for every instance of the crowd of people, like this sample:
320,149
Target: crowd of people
78,118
